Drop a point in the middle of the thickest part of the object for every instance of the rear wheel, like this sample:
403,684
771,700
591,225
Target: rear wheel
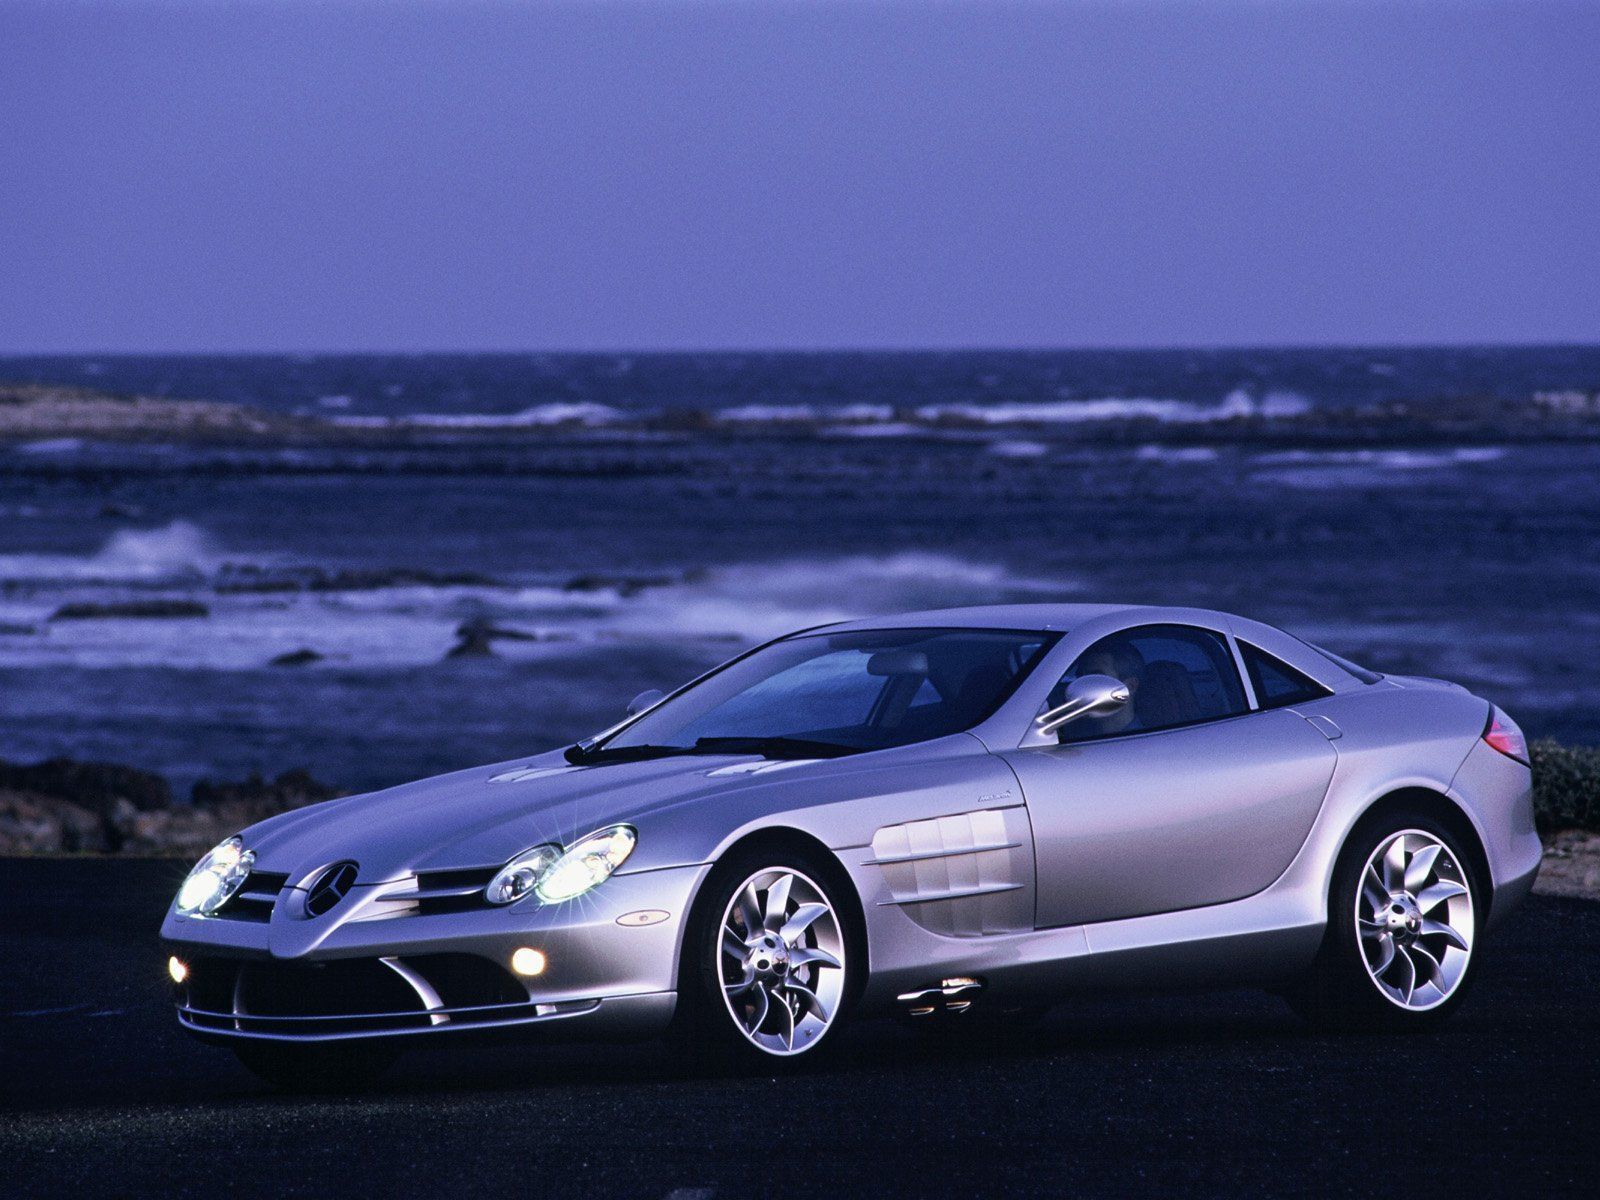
1401,945
325,1067
769,965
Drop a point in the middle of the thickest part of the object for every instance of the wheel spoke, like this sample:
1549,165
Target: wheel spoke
801,921
742,986
1372,889
802,956
1407,972
813,1004
1436,894
1427,966
786,1013
759,996
750,910
1394,865
778,902
1385,953
1448,932
732,944
1421,866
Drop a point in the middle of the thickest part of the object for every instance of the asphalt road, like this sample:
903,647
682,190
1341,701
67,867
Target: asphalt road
101,1095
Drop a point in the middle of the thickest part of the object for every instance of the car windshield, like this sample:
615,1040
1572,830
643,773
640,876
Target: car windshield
821,695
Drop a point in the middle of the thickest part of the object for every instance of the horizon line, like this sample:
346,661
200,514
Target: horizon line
819,351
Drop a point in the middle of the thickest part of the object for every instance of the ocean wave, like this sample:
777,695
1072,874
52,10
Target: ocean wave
538,416
863,419
414,624
1330,469
1392,460
1237,405
177,552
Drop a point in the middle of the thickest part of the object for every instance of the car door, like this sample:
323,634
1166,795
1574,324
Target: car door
1191,795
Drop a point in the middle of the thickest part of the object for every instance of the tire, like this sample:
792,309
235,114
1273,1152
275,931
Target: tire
772,996
324,1067
1404,916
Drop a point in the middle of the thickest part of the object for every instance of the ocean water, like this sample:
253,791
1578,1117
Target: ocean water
625,560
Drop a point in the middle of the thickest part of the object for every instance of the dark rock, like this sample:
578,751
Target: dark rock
252,580
164,609
623,585
373,580
295,658
477,635
93,786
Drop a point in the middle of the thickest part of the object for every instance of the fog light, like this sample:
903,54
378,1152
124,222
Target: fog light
528,961
178,969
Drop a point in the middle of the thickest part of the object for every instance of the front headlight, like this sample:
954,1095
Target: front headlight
586,865
216,877
517,877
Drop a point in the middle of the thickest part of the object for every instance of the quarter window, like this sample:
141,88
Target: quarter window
1176,675
1276,682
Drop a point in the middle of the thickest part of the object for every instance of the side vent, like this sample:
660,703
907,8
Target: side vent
962,876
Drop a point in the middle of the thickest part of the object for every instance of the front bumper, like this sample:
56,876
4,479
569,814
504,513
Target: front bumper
608,971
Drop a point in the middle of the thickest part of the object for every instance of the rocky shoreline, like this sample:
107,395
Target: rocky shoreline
33,412
61,806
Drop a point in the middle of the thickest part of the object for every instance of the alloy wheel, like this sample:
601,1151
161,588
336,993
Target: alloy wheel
1415,917
781,961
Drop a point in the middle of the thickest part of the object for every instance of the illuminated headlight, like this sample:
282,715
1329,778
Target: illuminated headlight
215,878
586,865
517,877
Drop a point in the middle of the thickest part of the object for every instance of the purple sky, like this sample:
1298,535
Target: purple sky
343,176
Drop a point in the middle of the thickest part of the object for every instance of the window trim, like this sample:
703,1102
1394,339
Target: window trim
1261,706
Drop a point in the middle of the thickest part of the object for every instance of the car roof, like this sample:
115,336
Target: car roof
1003,616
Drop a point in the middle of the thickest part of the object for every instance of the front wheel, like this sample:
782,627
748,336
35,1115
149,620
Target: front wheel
1401,945
771,965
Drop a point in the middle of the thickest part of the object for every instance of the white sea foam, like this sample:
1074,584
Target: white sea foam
882,429
178,551
538,416
1328,469
769,414
1236,405
412,625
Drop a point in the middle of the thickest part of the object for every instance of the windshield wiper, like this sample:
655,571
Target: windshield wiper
581,757
773,747
766,747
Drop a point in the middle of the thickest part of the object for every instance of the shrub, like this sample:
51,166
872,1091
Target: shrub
1566,786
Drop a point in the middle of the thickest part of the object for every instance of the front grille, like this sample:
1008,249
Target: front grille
433,892
255,897
355,996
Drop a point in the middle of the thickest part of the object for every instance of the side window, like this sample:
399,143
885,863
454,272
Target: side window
1276,682
1176,675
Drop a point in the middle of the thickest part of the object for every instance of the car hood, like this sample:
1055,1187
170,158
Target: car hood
483,816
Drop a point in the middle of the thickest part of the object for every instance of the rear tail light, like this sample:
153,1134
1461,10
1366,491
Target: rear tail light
1502,733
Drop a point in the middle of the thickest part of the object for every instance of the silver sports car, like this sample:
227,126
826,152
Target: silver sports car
943,814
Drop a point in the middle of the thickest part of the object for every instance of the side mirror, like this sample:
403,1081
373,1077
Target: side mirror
644,700
1087,696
